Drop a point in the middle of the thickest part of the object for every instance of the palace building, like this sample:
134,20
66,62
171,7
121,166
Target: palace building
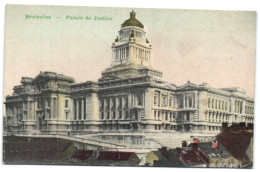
130,96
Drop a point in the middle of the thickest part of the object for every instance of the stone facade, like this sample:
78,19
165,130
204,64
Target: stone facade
130,96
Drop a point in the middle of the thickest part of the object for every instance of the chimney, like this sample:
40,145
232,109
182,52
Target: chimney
224,126
164,149
215,145
196,141
184,143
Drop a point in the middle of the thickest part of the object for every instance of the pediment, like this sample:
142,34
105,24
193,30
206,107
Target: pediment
188,86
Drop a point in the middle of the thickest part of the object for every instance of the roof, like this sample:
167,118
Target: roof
210,152
115,155
190,158
82,155
236,140
168,158
28,149
52,76
132,21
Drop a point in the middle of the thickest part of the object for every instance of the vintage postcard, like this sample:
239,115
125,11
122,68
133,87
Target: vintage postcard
128,87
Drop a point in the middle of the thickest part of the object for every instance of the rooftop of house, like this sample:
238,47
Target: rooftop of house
25,149
81,155
190,158
236,139
115,155
219,152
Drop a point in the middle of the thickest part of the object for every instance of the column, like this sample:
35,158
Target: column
72,109
77,115
130,53
143,101
55,109
82,109
35,108
116,109
51,108
123,107
28,110
32,110
85,108
183,101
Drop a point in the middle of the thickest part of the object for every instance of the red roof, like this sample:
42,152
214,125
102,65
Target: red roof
115,155
191,157
236,140
82,155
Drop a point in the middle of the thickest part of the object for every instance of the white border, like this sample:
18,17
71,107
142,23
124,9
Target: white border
248,5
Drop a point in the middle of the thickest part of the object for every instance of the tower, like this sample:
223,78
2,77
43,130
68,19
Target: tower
131,51
132,45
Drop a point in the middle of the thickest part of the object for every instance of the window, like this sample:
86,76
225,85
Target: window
166,116
190,102
114,115
102,103
67,115
188,117
120,102
180,104
48,102
102,115
114,103
108,115
164,101
155,100
170,102
66,103
126,102
108,104
120,114
139,100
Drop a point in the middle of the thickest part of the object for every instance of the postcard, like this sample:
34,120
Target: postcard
100,86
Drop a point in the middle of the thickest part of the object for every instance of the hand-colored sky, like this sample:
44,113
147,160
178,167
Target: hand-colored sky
217,47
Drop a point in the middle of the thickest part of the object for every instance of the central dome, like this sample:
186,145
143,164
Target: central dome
132,21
